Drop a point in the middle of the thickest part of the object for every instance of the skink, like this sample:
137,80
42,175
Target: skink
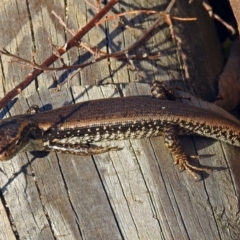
75,128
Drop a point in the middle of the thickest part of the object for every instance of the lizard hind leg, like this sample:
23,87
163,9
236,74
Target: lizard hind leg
180,157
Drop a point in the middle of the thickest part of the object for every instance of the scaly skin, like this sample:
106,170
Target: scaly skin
75,128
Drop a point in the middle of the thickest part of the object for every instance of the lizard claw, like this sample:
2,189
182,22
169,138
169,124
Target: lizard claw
185,165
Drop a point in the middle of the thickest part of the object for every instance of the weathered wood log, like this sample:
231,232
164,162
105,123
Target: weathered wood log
135,193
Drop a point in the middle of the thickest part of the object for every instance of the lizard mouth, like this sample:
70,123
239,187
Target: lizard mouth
4,156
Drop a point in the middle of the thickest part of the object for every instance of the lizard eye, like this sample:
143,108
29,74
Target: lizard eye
18,142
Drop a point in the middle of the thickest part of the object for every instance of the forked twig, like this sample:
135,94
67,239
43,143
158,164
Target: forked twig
50,60
76,41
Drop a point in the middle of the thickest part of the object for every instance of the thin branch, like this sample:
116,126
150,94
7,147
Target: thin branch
213,15
92,6
111,17
75,41
72,32
119,55
177,40
69,78
116,54
71,43
170,6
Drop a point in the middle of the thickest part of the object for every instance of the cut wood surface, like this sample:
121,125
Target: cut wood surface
135,193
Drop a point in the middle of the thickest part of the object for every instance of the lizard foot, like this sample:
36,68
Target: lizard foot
184,164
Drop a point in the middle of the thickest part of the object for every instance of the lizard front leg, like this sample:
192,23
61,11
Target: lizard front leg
78,149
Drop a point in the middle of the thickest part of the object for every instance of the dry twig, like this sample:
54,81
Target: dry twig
71,43
99,56
76,41
214,15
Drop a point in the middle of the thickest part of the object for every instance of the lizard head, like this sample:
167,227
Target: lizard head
15,134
